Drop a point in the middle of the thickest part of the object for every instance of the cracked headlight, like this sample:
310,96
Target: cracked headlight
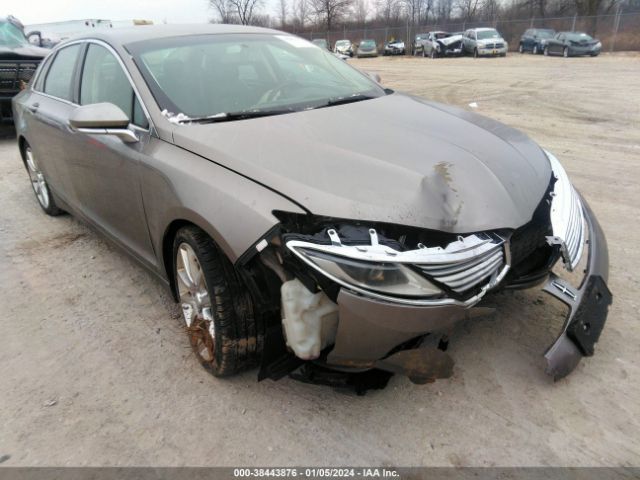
385,278
567,216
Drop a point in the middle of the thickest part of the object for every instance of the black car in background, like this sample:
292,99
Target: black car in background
572,44
18,62
534,40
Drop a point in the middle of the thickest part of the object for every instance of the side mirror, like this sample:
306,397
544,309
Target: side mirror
102,119
38,35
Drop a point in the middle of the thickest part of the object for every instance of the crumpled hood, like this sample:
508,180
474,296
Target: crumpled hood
449,40
395,159
26,52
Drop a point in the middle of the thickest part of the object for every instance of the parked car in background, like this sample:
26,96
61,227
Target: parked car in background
322,43
367,48
572,44
343,47
418,43
484,42
440,44
534,39
284,240
395,47
19,60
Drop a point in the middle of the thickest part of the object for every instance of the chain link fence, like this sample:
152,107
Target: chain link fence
617,31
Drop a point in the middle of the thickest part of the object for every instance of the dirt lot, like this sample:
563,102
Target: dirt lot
95,369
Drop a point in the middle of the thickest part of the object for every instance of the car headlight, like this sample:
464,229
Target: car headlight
387,278
567,216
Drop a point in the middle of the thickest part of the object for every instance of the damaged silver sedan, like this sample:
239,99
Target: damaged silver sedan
216,156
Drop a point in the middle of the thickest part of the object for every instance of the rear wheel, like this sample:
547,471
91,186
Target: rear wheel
39,185
217,309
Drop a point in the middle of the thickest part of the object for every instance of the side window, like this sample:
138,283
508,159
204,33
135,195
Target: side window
59,81
103,80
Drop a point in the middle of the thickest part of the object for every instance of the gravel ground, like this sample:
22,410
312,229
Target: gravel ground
95,368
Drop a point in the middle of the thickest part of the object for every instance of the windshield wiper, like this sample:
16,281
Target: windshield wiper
332,102
231,116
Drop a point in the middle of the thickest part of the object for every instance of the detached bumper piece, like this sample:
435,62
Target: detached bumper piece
588,305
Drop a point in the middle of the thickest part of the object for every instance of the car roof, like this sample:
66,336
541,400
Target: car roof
483,29
150,32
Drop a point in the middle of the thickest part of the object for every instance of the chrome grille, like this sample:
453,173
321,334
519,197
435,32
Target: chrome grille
463,275
12,73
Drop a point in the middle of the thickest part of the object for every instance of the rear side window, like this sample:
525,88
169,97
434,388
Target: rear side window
104,80
59,81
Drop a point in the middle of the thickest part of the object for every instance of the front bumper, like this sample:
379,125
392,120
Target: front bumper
450,51
588,305
369,330
489,52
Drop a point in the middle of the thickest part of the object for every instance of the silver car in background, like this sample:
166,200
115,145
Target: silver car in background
484,42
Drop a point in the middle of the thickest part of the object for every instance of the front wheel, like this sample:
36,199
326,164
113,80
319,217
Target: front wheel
475,53
39,185
433,54
565,52
217,308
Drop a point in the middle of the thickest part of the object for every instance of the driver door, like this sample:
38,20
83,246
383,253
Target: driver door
105,170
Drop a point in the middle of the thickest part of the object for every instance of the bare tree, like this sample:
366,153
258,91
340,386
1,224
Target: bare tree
443,9
245,9
330,11
360,11
469,8
283,11
300,13
223,10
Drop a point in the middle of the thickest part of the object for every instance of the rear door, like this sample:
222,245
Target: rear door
105,170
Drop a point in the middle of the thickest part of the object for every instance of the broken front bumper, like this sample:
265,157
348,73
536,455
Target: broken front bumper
588,304
369,330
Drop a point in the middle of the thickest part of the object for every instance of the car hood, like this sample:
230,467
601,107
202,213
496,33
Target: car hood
27,51
449,40
395,159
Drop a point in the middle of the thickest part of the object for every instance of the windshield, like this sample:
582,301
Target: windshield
442,35
209,75
486,34
343,43
578,37
545,33
368,43
11,36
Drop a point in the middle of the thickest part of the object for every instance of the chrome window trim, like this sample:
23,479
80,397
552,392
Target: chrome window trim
122,65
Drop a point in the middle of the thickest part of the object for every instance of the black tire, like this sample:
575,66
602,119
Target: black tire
49,205
475,53
565,52
239,335
535,50
433,54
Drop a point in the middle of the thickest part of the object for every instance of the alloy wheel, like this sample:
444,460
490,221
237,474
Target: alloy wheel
195,302
38,182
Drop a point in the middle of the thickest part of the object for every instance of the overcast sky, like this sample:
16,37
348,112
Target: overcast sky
174,11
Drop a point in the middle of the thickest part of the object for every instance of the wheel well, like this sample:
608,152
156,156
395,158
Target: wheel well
22,145
167,251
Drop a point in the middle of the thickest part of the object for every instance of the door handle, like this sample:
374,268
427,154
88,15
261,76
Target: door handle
33,108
